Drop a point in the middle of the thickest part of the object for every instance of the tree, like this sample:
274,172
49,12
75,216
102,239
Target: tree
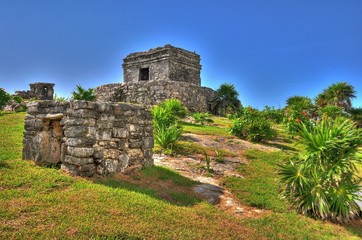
299,103
338,94
226,100
81,94
4,97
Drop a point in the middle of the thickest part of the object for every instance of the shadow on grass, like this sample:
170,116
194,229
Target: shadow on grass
280,146
4,164
159,183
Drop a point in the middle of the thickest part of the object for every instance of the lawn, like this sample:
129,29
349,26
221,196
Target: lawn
157,203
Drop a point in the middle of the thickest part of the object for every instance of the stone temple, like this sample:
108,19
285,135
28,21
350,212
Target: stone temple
158,74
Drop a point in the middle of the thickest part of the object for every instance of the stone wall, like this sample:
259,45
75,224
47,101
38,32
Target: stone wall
88,138
195,98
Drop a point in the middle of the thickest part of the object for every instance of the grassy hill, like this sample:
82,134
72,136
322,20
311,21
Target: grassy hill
44,203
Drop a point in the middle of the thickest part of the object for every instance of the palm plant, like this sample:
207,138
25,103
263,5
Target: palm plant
226,100
322,181
81,94
339,94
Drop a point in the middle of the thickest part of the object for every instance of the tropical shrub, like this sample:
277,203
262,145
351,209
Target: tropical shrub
175,107
167,137
322,181
165,123
330,111
356,115
299,110
252,126
81,94
272,114
17,99
202,118
4,97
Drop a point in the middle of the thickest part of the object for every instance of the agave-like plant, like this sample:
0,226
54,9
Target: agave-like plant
322,181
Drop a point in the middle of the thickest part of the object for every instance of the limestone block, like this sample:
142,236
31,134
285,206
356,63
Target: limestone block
119,133
148,143
111,153
104,134
87,170
134,143
78,161
80,104
82,152
70,168
76,131
79,121
79,142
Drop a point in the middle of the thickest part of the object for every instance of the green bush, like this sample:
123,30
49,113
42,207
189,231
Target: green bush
60,99
202,118
4,97
272,114
18,99
165,123
175,107
167,137
252,126
322,181
330,111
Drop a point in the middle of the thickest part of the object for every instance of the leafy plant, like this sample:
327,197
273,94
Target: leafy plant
4,97
175,107
81,94
322,181
208,161
252,126
166,118
17,99
330,111
272,114
167,137
219,156
202,118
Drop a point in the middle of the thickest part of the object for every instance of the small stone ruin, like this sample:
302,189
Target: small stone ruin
38,90
88,138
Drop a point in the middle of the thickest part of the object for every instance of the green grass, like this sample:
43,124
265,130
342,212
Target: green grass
44,203
205,129
259,187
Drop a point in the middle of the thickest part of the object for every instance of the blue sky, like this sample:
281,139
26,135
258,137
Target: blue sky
270,50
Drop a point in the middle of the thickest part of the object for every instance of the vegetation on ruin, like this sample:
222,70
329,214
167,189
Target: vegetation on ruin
80,93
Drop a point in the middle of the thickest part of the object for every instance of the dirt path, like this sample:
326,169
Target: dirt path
211,185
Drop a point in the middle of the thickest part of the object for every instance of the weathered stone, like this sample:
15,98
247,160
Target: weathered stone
111,153
80,151
134,143
78,161
80,104
148,142
119,133
70,168
79,142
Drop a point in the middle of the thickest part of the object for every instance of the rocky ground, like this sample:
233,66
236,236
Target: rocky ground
211,187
